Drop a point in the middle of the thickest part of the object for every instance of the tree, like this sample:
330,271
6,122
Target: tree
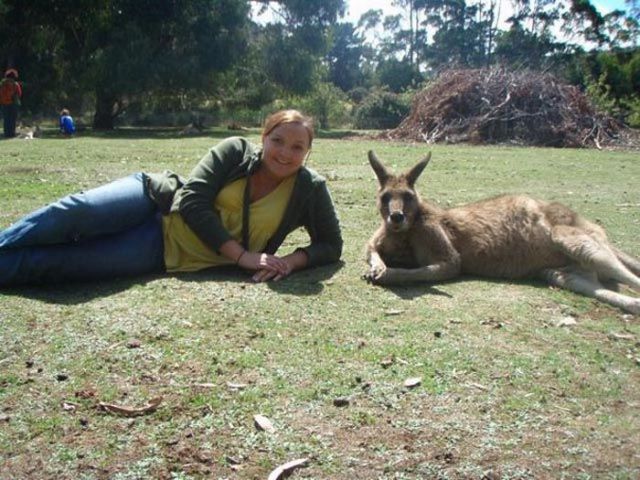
415,33
530,40
115,50
397,75
584,17
118,49
623,30
158,46
634,9
380,110
463,33
345,57
293,45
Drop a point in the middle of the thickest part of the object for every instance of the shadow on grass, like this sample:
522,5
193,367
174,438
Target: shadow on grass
173,133
341,134
77,292
150,133
215,274
411,291
306,282
414,290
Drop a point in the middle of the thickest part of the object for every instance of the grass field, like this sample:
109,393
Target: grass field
506,392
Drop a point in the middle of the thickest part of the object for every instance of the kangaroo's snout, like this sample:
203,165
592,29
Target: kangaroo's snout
396,217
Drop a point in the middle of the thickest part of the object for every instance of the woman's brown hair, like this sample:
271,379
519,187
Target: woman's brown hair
288,116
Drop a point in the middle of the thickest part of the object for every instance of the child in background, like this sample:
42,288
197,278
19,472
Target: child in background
67,126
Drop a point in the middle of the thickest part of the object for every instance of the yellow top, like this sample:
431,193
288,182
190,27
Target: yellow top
183,250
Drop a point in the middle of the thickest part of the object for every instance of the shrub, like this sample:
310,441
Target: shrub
381,110
326,103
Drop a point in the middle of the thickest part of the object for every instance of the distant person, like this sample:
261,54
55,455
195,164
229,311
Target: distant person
67,125
237,207
10,95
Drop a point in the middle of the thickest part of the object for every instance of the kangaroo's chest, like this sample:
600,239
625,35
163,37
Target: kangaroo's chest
397,252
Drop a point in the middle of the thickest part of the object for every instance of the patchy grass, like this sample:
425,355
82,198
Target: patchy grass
505,393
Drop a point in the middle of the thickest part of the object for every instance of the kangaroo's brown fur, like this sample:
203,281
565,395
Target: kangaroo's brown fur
510,236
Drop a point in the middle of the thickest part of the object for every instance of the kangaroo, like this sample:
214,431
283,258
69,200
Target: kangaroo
509,236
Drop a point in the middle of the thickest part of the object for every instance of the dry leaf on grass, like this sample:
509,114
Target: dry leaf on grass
263,423
566,322
287,468
87,393
412,382
236,386
386,362
131,411
478,386
621,336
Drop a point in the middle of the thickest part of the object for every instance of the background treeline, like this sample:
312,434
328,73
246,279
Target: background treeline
173,62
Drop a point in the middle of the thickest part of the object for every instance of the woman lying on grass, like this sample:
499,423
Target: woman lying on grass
237,207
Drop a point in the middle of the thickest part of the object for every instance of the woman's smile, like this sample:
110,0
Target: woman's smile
284,150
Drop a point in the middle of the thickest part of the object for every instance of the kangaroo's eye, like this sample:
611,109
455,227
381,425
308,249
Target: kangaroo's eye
386,197
407,197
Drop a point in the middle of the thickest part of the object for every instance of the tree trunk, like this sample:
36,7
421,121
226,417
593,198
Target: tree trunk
105,111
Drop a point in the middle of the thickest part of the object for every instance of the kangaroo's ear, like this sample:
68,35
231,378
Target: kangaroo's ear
413,174
381,171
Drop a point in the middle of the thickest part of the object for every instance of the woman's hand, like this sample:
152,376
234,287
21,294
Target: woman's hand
264,262
266,275
294,261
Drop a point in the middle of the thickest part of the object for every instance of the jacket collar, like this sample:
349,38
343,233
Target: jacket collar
255,159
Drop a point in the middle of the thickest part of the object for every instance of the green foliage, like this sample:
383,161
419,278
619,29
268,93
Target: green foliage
630,107
303,12
590,23
611,80
397,75
381,110
286,62
462,34
327,104
518,47
345,57
599,93
613,74
632,71
116,51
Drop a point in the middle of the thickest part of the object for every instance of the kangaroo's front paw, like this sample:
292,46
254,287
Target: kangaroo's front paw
375,274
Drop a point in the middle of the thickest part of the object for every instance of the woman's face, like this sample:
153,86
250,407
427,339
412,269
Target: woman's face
284,149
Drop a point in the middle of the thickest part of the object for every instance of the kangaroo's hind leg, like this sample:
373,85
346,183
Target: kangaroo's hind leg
586,283
629,261
593,254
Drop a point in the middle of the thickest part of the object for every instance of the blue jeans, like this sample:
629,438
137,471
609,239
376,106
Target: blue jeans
110,231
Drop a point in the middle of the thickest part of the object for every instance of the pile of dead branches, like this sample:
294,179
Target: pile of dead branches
488,106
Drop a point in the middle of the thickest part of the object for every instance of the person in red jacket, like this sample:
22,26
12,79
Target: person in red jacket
10,95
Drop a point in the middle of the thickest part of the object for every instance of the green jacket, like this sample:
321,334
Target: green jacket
310,205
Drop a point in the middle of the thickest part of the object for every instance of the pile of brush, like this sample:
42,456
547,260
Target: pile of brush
489,106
